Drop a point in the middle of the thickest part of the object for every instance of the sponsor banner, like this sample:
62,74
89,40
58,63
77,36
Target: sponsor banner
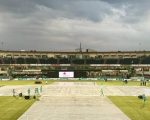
95,65
66,74
105,65
117,65
138,69
39,64
123,71
32,70
108,71
64,64
55,65
140,65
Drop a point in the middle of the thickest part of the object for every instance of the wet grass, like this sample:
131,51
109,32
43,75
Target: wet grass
132,106
118,83
23,82
11,108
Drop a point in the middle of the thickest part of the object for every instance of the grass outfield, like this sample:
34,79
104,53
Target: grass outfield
99,82
31,82
12,108
23,82
132,106
119,83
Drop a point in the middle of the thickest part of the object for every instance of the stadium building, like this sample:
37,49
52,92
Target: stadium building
73,64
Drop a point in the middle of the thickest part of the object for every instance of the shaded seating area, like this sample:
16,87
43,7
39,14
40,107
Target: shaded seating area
1,61
51,61
31,61
145,60
78,61
111,61
20,61
64,61
43,61
129,61
8,61
47,61
94,61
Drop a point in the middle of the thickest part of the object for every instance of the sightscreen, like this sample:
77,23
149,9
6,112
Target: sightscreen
66,74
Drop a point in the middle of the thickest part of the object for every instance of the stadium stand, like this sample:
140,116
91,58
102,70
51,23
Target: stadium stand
78,61
1,61
8,60
31,61
145,60
94,61
64,61
111,61
51,60
42,60
84,64
129,61
20,60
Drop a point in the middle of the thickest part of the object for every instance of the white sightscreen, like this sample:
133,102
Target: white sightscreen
66,74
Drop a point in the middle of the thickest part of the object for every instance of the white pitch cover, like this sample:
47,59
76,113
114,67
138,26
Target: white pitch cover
66,74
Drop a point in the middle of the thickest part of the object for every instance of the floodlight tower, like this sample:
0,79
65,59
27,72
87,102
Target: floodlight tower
80,47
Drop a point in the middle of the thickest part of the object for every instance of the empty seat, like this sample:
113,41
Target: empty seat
8,61
20,61
64,61
43,61
111,61
129,61
145,60
51,61
31,61
78,61
94,61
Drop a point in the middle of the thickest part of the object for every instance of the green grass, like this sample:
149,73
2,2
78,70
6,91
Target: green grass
99,82
12,108
75,80
23,82
132,106
118,83
31,82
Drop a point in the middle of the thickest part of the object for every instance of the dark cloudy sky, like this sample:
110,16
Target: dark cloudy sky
102,25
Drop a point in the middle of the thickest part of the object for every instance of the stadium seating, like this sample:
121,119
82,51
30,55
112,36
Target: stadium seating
111,61
8,61
78,61
94,61
1,61
64,61
114,65
43,61
129,61
20,61
31,61
145,60
51,61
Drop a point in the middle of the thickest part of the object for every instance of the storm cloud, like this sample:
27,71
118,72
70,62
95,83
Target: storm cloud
101,25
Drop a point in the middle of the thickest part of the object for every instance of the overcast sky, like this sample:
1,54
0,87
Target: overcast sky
102,25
